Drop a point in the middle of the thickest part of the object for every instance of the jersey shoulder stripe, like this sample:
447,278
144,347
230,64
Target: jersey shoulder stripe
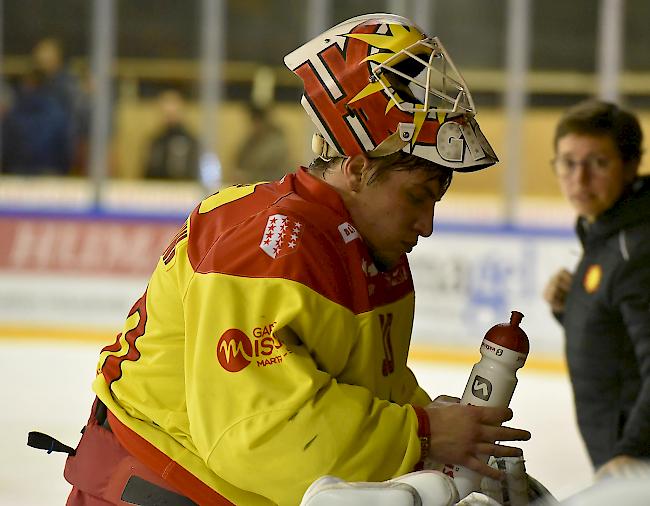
296,229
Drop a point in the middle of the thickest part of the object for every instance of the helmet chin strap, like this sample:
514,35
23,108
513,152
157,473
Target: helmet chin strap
391,144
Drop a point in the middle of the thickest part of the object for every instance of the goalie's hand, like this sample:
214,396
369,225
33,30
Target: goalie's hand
460,434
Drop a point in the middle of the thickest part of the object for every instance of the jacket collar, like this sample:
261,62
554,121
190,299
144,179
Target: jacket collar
313,189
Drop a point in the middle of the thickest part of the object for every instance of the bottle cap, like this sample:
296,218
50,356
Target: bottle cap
510,335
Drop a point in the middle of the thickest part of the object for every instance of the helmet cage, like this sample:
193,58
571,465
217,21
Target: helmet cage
449,94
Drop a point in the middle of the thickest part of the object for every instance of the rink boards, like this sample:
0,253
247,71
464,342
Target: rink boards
76,274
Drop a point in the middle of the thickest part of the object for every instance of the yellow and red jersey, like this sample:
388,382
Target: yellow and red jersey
268,350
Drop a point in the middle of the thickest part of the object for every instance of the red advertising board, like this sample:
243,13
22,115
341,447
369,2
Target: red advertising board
83,246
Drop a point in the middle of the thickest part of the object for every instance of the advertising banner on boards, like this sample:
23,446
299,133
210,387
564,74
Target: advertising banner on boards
86,273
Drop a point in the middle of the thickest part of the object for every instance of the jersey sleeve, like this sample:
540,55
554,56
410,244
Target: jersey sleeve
418,397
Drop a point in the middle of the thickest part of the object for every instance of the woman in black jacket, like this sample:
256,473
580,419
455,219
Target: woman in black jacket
604,305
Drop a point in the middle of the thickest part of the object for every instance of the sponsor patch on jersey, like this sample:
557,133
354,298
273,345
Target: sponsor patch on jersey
592,278
236,350
348,232
281,235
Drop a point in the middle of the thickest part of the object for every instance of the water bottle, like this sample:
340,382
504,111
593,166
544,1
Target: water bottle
491,383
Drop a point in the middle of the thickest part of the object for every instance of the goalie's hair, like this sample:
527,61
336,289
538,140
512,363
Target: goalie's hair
384,164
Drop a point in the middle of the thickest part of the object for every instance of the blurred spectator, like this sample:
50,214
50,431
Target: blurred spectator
263,155
35,131
70,93
47,58
173,153
48,119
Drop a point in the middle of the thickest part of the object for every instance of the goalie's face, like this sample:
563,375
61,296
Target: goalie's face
392,211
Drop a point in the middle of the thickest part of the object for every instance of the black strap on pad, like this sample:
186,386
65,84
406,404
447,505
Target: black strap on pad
44,442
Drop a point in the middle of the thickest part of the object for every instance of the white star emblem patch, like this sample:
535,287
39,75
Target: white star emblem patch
281,235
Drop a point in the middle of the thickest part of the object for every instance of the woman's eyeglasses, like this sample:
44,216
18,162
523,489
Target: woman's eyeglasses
595,165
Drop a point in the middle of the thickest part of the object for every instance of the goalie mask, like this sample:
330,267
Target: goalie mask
376,84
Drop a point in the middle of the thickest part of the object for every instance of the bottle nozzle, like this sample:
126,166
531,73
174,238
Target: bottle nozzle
515,318
510,335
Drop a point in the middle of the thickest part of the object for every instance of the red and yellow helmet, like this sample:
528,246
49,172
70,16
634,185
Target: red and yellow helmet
377,84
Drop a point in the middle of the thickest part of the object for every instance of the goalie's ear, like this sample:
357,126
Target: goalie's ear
355,170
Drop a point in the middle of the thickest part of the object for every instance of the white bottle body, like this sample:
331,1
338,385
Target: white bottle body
491,383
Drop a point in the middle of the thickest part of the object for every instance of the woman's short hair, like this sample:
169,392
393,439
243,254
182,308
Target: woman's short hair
598,118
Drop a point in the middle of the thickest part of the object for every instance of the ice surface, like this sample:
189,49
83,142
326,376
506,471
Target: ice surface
45,386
